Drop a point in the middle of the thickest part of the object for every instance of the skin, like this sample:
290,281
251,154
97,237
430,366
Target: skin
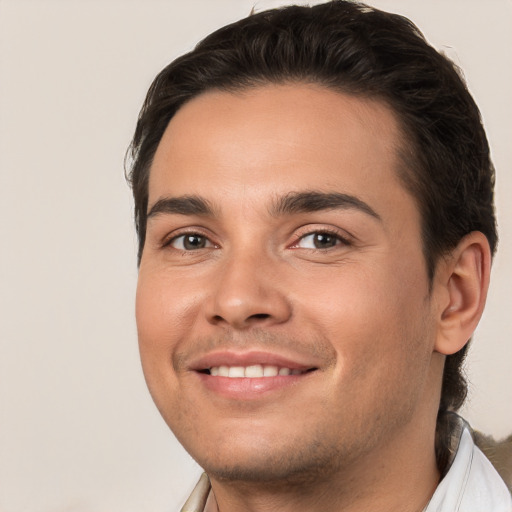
357,432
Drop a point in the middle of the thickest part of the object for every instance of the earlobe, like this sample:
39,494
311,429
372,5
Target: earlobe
462,281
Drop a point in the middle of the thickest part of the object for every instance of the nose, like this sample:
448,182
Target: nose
248,294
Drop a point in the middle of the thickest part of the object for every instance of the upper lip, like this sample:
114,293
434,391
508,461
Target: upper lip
248,358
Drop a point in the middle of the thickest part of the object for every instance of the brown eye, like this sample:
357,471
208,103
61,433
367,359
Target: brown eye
323,240
190,242
319,240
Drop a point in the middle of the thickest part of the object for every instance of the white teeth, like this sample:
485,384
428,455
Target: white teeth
252,372
236,371
223,371
270,371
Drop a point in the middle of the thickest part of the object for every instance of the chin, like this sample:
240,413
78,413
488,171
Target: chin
290,463
286,472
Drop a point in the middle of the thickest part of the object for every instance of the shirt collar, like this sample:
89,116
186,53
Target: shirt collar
197,500
471,484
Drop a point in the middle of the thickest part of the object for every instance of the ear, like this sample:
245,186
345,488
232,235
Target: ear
461,283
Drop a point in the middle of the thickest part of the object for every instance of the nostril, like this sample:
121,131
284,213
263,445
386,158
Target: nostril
260,316
241,321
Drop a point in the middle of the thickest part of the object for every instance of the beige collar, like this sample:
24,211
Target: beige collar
197,500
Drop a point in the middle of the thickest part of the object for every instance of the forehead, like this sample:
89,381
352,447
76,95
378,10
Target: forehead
294,137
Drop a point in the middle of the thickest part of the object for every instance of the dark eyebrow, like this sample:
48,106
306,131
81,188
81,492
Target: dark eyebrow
183,205
313,201
293,202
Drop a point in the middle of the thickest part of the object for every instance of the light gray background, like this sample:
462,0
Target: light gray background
78,431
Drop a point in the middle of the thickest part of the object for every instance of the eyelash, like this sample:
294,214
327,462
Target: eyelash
327,232
168,242
300,237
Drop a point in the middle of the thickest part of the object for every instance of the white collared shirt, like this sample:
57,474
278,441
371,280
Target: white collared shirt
470,485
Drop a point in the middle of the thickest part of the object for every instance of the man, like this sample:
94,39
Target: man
314,204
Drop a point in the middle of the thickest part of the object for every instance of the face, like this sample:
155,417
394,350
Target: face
283,308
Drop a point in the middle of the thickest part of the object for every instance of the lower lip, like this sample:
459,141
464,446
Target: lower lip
249,389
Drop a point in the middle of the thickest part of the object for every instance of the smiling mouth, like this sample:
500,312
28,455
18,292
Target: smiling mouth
256,371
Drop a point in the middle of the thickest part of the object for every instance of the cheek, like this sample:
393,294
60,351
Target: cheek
157,325
165,309
160,326
373,317
348,301
381,342
151,314
167,312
